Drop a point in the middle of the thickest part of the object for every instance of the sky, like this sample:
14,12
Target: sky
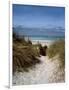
38,16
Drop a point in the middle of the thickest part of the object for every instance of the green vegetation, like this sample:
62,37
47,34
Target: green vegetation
57,48
24,54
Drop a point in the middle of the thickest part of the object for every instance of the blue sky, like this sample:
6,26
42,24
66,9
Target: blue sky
38,16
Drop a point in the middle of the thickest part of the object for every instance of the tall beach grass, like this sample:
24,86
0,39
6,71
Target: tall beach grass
24,54
57,49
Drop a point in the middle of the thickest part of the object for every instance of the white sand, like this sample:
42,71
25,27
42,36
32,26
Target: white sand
43,42
46,72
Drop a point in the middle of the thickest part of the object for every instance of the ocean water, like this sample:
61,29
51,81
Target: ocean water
46,37
40,34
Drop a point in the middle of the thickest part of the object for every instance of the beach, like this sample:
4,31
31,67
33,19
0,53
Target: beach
46,72
38,44
43,42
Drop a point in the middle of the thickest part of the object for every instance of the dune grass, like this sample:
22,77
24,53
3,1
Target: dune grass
24,54
57,48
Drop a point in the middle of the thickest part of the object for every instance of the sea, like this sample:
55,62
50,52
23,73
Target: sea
46,38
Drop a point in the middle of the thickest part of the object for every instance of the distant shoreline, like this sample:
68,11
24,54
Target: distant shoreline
43,42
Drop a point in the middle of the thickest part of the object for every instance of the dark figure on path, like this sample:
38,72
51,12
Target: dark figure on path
43,50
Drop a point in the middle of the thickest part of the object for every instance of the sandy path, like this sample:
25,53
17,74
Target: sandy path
46,72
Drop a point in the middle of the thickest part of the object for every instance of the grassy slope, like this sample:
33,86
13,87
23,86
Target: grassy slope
58,48
24,54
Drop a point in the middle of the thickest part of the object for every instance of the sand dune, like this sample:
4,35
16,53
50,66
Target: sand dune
46,72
